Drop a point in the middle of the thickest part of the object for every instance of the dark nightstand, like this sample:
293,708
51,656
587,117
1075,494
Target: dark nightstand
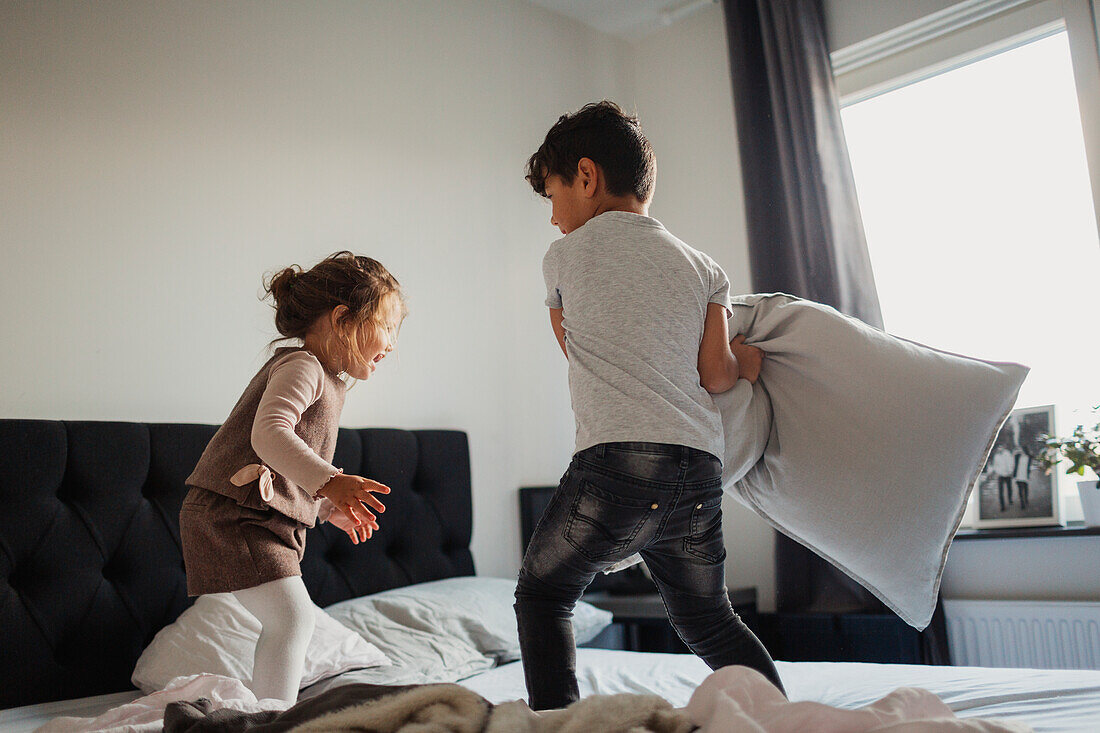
644,622
849,637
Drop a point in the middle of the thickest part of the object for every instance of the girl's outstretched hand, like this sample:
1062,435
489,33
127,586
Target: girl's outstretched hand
357,532
351,496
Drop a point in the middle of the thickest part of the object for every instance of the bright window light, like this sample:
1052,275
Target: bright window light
979,218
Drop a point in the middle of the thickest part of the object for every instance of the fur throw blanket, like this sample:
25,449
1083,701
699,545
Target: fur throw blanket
444,708
731,700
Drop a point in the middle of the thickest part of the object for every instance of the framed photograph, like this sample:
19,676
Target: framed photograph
1013,490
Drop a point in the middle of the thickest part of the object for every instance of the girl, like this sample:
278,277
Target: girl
266,475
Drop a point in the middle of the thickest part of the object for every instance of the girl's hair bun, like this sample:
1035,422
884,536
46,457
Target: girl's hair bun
281,284
359,283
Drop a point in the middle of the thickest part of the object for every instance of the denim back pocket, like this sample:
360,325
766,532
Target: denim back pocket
705,539
602,523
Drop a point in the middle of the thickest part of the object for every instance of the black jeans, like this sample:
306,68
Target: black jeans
617,499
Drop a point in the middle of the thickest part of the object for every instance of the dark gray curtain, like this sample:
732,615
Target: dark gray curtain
805,232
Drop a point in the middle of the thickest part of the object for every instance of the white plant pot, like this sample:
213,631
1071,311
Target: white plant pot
1090,501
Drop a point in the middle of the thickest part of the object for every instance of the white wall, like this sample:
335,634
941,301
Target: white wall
685,101
1027,568
156,158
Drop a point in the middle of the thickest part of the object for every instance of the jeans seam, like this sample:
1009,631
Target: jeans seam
665,485
694,516
706,483
573,517
680,485
555,498
690,546
639,452
618,547
670,450
713,559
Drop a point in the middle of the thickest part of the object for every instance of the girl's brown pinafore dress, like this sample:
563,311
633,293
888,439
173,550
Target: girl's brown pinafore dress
232,537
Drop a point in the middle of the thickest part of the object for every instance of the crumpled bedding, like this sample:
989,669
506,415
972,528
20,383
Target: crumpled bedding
147,713
733,699
741,699
442,708
730,700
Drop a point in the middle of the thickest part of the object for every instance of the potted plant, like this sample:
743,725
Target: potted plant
1082,450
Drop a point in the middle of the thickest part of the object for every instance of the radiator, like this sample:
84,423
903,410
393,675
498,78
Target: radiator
1034,634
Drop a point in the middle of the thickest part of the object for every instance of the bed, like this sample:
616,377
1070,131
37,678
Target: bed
89,550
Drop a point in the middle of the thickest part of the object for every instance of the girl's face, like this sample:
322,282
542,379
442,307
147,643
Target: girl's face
375,341
327,339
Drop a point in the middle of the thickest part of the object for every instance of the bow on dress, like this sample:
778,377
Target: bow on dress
254,471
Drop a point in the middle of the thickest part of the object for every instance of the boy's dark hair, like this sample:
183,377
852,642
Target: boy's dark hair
608,136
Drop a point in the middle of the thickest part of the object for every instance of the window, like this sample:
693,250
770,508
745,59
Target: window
979,217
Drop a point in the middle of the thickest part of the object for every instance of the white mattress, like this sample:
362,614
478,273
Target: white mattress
1048,700
29,717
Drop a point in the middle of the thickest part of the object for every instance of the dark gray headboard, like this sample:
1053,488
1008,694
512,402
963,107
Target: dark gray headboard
90,563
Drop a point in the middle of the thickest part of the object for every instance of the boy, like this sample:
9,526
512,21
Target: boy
641,317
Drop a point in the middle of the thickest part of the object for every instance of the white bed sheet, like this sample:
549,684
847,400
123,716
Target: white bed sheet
29,717
1049,700
606,672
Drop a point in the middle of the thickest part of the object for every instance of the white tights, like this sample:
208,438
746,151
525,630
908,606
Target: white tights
285,612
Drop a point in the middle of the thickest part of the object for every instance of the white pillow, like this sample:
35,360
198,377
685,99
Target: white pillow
475,609
217,635
862,446
417,656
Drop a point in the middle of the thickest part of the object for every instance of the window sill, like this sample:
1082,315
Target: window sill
1071,529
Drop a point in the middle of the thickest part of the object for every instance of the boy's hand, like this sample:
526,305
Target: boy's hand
749,358
350,494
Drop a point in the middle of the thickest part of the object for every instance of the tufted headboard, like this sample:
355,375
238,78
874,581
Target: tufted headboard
90,563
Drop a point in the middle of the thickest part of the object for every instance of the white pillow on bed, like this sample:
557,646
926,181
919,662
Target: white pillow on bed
418,656
217,635
476,610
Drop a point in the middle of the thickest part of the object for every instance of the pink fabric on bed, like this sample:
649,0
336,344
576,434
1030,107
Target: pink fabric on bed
741,699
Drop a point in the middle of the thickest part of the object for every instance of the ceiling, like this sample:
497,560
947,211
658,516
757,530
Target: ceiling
630,19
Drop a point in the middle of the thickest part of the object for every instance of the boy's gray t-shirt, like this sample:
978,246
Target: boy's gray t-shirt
634,300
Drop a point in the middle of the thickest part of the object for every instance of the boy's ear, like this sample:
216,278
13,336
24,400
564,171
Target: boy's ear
589,174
